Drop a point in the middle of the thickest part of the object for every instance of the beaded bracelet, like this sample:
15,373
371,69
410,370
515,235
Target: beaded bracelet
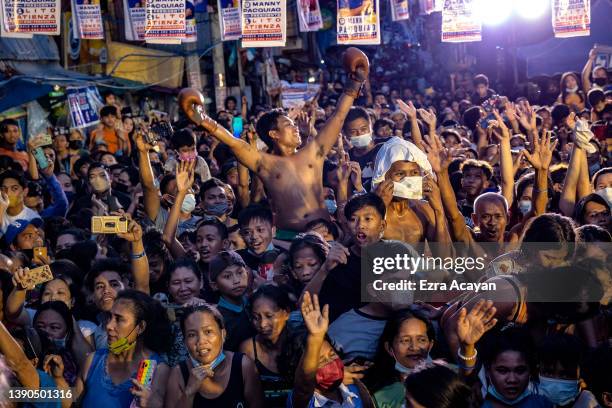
138,256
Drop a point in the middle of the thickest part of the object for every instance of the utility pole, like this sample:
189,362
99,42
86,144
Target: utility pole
218,64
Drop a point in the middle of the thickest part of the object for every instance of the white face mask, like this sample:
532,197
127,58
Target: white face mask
524,206
361,141
571,90
189,203
409,187
606,194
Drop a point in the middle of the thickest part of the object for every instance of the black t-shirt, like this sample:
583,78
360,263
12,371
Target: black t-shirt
366,162
260,264
341,289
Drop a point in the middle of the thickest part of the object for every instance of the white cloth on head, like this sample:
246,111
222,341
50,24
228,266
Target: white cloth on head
397,149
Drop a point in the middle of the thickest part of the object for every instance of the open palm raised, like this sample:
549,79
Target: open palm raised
315,319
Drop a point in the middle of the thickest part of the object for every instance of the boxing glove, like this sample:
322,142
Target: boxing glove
191,102
356,63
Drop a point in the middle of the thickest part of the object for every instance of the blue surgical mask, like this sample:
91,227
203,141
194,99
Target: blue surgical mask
402,369
189,203
559,392
218,360
217,209
60,343
606,194
361,141
524,206
331,206
491,390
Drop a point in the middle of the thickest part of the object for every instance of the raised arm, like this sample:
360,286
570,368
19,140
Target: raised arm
358,67
439,159
140,262
150,190
17,360
586,71
184,181
540,160
14,310
415,131
192,103
502,133
317,322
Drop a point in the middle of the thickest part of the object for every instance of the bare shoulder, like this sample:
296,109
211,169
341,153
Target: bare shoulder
246,347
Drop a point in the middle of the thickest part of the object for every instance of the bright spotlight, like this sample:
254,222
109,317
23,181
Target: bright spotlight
493,12
530,9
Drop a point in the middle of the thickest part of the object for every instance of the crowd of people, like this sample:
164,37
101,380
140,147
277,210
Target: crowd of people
238,277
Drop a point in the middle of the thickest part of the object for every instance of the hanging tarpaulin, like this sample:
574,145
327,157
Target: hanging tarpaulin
83,103
571,18
460,22
31,17
191,28
309,14
273,82
6,34
135,18
264,23
229,16
296,95
399,10
358,22
165,21
87,18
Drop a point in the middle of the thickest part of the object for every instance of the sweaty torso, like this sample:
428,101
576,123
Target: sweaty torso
295,185
405,224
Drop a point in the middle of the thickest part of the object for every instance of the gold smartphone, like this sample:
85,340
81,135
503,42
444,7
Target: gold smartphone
109,224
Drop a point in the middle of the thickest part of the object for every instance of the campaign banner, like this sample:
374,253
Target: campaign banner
460,22
134,15
30,17
6,34
229,19
309,15
165,21
399,10
87,18
264,23
358,22
295,95
191,28
571,18
83,104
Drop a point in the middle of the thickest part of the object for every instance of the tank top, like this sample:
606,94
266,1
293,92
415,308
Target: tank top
276,388
231,397
100,391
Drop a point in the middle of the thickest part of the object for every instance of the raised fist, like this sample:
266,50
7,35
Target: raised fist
356,63
191,102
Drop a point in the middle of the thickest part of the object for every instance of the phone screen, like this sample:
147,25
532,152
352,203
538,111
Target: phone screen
237,126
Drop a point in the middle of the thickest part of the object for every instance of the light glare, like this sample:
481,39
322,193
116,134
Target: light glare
493,12
530,9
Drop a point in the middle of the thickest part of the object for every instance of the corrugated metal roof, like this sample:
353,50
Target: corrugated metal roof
38,48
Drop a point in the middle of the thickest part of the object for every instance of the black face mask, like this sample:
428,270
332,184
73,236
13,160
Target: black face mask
121,188
75,144
600,81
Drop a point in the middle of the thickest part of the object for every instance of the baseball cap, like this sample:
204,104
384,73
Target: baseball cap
18,226
222,261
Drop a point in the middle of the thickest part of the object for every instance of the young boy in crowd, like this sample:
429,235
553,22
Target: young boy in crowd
230,278
257,230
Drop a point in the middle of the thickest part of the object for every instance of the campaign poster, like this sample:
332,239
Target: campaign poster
83,105
30,17
165,21
309,15
229,15
571,18
135,18
399,10
460,22
358,22
295,95
191,28
87,18
264,23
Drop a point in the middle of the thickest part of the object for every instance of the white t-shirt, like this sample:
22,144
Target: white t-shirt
25,214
